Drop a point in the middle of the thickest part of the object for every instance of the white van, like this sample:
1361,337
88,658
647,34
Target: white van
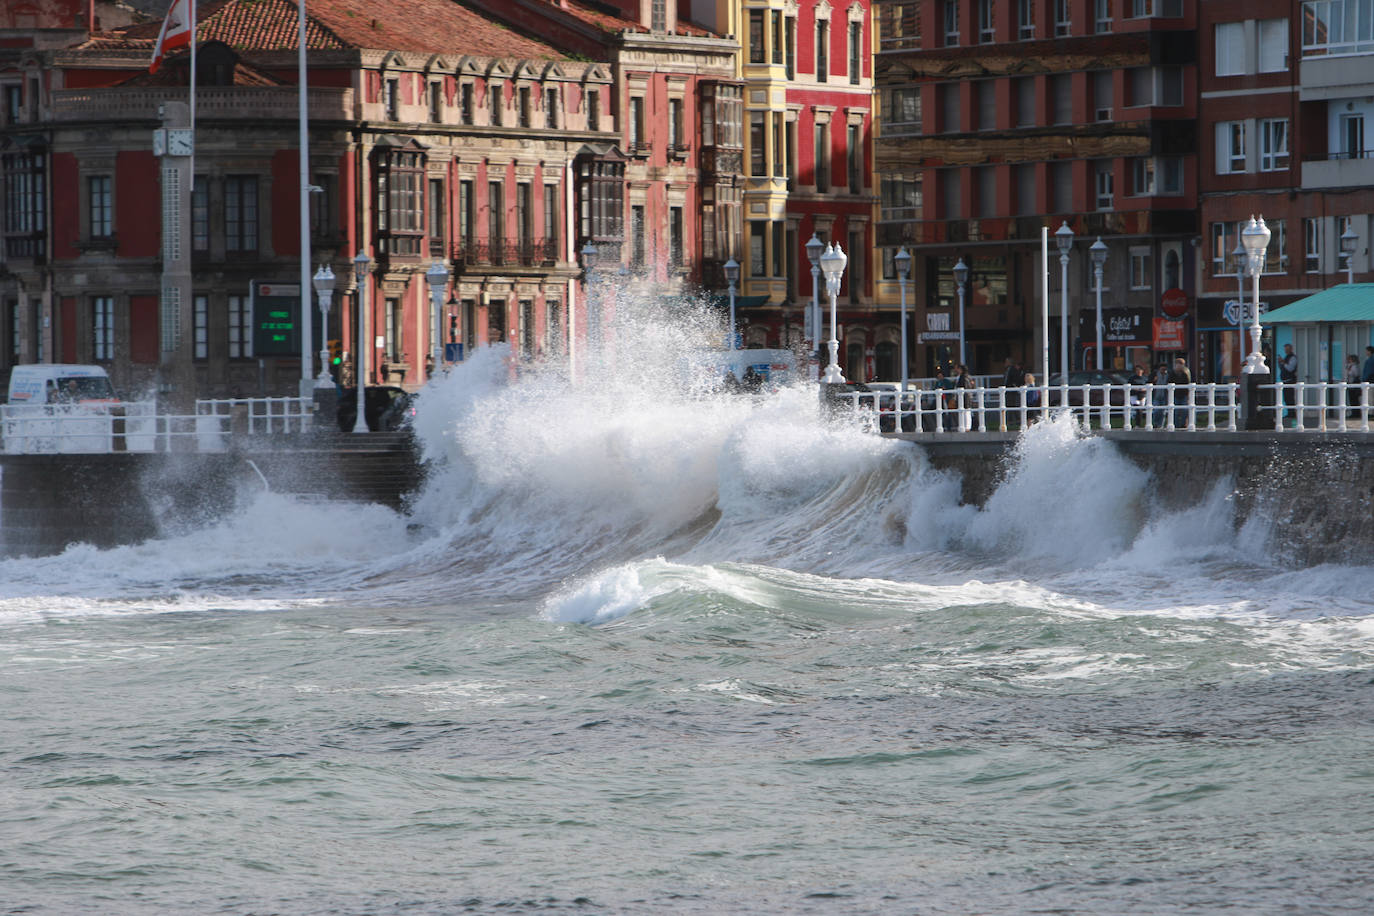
60,383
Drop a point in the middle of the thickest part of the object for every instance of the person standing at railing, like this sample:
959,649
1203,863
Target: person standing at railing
1032,394
1161,395
1139,381
1013,377
966,384
1288,375
945,385
1181,378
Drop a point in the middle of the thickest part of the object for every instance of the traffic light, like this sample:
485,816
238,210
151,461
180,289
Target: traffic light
335,351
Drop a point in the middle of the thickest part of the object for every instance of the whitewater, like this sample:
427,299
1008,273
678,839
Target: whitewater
641,646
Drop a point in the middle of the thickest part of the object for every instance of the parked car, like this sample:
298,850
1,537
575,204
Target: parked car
388,408
1089,377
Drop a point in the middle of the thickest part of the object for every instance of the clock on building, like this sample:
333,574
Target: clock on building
178,141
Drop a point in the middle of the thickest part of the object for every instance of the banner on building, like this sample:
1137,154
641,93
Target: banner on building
1170,335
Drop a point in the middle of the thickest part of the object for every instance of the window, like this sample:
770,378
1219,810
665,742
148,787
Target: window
1337,27
756,37
465,103
593,110
1273,45
638,139
1276,255
901,198
1025,101
904,109
1140,268
856,52
779,167
758,161
437,210
758,264
1156,177
526,328
790,40
391,99
200,213
949,108
1025,19
1230,147
822,50
676,140
25,204
1273,134
1230,38
241,213
102,328
524,219
100,221
951,23
952,193
1156,86
1061,95
855,274
638,229
14,103
1225,237
1061,186
1102,95
400,202
240,333
987,32
985,100
496,218
1102,16
675,238
495,102
658,20
553,327
1352,135
776,17
855,154
822,149
985,187
436,102
467,214
1312,256
551,108
1104,182
394,324
200,316
551,222
1026,187
1063,24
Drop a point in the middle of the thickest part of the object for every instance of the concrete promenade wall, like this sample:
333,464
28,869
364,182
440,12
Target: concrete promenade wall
50,501
1315,490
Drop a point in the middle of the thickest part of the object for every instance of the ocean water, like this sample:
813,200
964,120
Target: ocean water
641,648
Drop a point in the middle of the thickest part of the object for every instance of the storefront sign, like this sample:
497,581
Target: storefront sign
1236,312
1170,335
1174,303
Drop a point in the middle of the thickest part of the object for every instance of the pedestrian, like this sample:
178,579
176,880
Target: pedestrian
1352,381
1161,395
1013,377
1032,394
1288,375
966,384
945,385
1367,373
1182,379
1139,386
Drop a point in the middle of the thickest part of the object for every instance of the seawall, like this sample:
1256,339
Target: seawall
1316,490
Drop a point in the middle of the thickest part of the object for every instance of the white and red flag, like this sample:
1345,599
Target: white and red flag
176,32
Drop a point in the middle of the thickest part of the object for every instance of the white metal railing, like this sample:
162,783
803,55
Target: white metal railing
1322,406
136,426
1205,407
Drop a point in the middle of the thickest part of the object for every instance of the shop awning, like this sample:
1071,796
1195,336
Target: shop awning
1348,303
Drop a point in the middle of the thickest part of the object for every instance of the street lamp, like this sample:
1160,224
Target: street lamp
362,265
960,279
902,262
1350,239
732,277
437,277
1063,237
1099,255
1240,258
832,264
814,249
1255,238
323,282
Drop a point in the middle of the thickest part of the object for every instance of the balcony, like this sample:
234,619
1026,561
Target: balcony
215,102
505,253
1340,170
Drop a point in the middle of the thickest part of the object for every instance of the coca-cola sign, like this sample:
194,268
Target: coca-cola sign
1174,303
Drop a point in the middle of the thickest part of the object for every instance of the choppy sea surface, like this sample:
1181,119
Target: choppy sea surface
637,652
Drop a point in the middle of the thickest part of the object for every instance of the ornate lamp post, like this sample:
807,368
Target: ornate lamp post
902,262
323,282
960,281
1255,238
1350,240
1063,237
437,277
362,266
732,277
832,263
814,249
1099,255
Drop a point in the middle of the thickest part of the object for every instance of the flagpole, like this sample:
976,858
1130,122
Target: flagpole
307,353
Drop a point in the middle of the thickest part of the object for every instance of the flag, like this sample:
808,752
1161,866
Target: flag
176,32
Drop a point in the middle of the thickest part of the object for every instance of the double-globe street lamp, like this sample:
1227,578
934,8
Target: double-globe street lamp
1099,255
732,277
1350,240
832,265
362,266
1255,238
437,277
323,281
902,262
